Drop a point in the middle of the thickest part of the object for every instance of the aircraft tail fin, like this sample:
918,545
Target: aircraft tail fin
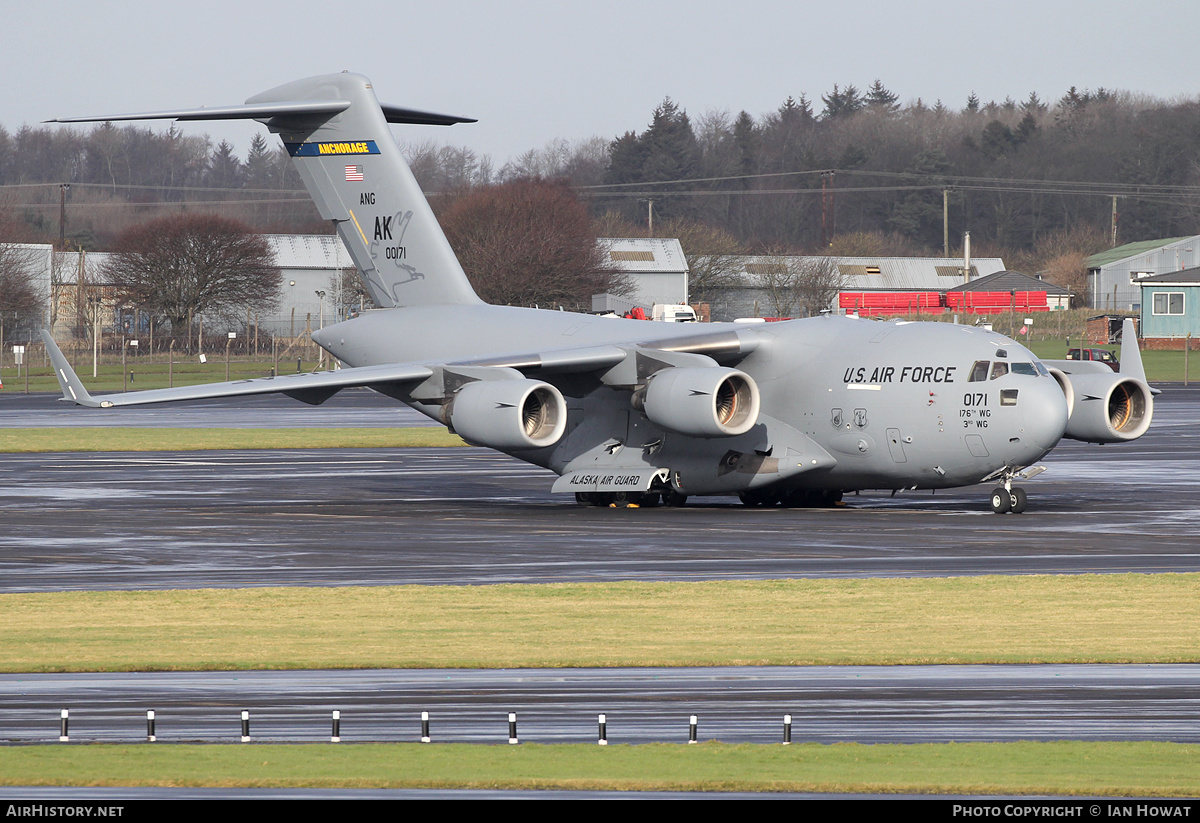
337,134
1131,355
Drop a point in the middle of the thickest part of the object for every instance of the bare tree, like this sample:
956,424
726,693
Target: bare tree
582,163
21,300
713,256
180,267
528,242
794,285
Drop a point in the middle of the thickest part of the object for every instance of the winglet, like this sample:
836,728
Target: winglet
72,386
1131,356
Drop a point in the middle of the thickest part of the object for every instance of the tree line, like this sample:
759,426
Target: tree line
854,172
1013,168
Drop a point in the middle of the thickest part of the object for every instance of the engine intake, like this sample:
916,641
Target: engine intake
509,414
701,402
1108,408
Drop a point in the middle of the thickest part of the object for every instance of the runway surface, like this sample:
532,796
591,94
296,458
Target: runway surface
342,517
869,704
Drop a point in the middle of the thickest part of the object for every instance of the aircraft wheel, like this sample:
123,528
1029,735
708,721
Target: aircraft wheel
1001,500
675,499
584,499
651,499
1019,500
749,499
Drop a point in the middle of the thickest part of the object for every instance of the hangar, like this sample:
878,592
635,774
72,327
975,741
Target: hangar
1113,275
866,285
319,283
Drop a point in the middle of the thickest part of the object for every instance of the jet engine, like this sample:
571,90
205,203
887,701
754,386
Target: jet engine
701,402
1106,408
509,414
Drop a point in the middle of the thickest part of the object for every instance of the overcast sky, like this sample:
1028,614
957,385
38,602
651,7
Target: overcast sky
534,70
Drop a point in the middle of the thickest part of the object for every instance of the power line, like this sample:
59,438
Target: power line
124,204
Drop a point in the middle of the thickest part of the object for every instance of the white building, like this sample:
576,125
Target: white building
655,265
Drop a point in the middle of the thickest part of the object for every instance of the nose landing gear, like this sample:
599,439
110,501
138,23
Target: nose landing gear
1012,499
1009,498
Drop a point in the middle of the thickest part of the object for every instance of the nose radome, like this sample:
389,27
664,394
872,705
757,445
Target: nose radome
1044,412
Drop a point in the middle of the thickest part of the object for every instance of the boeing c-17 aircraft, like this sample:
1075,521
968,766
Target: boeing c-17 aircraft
632,412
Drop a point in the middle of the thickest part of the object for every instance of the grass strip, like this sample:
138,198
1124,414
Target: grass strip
123,439
1126,618
1054,768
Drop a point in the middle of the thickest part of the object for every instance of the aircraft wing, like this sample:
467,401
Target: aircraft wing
311,388
315,388
1078,366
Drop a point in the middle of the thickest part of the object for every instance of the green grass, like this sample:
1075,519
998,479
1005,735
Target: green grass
128,439
111,378
1066,768
988,619
1161,366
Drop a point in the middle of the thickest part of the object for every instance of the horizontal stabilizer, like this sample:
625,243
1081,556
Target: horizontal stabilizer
248,111
269,111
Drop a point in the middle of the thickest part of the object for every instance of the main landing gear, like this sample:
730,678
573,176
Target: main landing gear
791,498
631,500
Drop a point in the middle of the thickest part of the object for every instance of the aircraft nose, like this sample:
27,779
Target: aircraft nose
1044,412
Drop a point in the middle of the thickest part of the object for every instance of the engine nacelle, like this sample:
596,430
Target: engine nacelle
509,414
701,402
1108,408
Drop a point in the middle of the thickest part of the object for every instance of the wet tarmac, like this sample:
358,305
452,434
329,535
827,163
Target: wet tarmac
342,517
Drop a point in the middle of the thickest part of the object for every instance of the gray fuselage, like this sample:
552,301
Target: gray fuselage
894,404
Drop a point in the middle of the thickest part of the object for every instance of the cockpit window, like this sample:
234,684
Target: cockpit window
1041,368
999,369
1024,368
979,371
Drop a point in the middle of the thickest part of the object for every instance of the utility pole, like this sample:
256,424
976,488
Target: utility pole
828,220
946,222
321,354
1114,221
63,188
650,216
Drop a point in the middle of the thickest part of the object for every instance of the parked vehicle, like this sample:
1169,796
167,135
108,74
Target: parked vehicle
1103,355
